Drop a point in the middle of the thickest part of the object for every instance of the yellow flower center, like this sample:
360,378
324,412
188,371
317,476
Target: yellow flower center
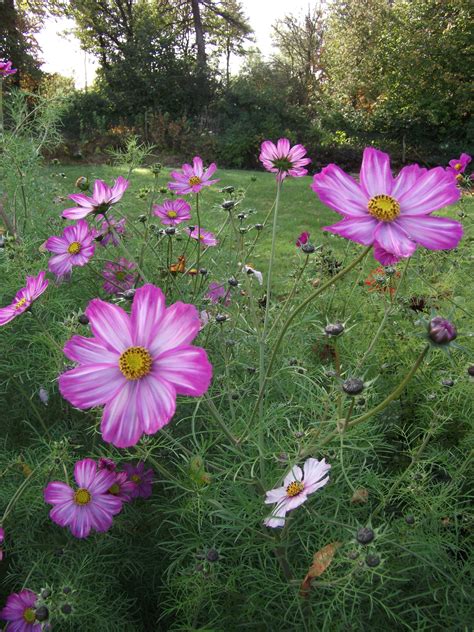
82,497
135,363
115,489
74,248
458,166
384,207
29,615
20,303
194,180
294,488
172,214
135,478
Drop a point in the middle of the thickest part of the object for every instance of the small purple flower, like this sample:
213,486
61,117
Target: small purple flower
458,165
110,230
103,197
142,479
91,506
20,612
216,292
441,331
106,464
35,286
191,179
6,69
43,396
123,487
302,239
207,238
297,486
119,276
173,212
283,159
74,248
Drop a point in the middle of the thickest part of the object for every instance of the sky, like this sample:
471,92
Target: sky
62,53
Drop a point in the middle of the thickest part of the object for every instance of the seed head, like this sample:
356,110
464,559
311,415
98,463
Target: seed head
365,535
353,386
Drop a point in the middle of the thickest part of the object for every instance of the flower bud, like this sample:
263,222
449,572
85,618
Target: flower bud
203,271
448,382
470,370
128,294
410,519
43,395
163,190
221,318
441,331
42,613
308,249
227,205
241,216
258,226
334,329
83,319
66,608
353,386
45,593
67,590
229,190
82,183
156,168
142,218
233,282
171,230
212,555
365,535
372,560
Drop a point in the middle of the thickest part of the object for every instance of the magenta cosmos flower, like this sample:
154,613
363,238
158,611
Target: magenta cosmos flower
91,506
172,212
191,179
141,479
216,292
393,214
297,486
103,197
35,286
136,365
6,69
283,159
207,238
123,487
458,165
302,239
20,612
119,276
74,248
110,231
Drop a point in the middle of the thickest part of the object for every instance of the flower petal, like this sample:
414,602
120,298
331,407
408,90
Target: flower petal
62,514
89,351
84,472
187,368
434,233
157,403
91,385
295,474
375,175
148,310
314,471
120,422
81,523
275,495
361,230
432,190
406,179
392,238
340,192
110,324
57,245
57,492
179,326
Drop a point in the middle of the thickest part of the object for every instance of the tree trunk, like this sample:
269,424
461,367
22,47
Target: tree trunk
198,28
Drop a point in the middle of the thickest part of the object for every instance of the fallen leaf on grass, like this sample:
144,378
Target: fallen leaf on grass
360,496
321,560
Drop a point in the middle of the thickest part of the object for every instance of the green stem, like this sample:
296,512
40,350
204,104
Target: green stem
1,108
292,316
290,296
377,409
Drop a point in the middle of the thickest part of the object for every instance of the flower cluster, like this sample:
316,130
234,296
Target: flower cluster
101,491
6,69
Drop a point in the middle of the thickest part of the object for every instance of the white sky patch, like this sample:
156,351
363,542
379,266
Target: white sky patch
62,53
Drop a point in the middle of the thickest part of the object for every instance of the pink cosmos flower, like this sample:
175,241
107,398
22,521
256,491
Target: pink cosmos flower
458,165
283,159
216,292
302,239
207,238
118,276
393,214
20,612
173,212
103,197
74,248
6,69
136,365
192,179
91,506
123,487
35,286
297,486
110,231
142,479
106,464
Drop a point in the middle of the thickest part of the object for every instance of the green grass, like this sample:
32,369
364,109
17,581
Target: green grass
151,571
